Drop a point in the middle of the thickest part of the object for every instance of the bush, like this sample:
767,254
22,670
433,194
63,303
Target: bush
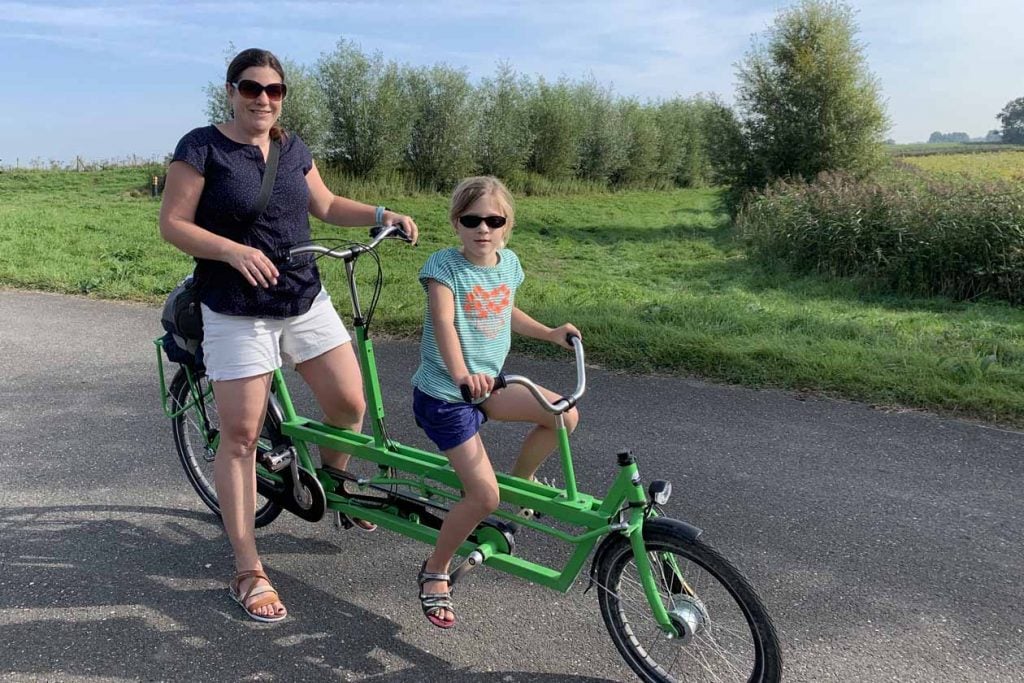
910,233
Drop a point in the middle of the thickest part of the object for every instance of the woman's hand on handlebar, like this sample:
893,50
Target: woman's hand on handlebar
479,384
560,335
255,266
408,224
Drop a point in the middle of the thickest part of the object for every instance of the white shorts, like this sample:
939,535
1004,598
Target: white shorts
237,346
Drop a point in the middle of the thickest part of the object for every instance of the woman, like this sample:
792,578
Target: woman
254,316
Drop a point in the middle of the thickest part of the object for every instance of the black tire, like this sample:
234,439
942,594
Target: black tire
736,641
196,445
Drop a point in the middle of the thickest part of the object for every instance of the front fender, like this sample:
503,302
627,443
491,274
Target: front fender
690,532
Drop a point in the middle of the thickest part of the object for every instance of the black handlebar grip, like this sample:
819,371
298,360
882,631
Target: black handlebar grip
375,230
499,383
569,336
282,258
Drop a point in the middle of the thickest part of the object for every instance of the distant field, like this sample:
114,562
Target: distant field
928,149
1007,165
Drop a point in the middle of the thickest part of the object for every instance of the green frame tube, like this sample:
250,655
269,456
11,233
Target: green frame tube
431,475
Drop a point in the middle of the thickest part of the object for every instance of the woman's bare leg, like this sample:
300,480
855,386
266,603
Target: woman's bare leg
241,406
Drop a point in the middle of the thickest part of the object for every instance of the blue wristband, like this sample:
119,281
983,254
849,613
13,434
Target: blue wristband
378,215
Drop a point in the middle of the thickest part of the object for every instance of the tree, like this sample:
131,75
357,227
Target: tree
643,144
368,126
1012,118
808,103
303,110
603,144
504,138
939,136
724,144
440,150
557,128
682,157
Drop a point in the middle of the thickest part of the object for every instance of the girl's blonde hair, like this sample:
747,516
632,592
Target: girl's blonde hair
472,189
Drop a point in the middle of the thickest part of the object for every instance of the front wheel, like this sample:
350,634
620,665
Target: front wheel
197,435
726,632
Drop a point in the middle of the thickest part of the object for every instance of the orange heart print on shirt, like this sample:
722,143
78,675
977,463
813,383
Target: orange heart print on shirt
485,308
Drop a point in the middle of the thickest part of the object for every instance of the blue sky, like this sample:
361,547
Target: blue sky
111,79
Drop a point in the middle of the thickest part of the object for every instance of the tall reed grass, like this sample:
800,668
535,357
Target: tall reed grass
907,231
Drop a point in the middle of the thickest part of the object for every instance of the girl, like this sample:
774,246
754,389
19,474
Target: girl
467,331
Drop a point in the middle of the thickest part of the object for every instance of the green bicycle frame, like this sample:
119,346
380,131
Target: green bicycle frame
429,475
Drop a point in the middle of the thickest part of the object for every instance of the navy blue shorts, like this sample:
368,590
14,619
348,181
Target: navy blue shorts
447,424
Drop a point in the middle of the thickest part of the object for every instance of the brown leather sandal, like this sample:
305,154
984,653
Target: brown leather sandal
261,595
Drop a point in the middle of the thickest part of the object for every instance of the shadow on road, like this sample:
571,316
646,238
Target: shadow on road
140,596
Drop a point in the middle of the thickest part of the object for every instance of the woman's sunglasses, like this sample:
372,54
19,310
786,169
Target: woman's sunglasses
471,221
250,90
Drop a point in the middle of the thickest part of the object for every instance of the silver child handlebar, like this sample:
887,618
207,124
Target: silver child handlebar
561,405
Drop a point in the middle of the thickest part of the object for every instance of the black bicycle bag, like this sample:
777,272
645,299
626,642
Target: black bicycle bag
182,320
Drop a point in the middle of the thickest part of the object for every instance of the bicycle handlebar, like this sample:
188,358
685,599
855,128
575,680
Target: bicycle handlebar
561,405
378,232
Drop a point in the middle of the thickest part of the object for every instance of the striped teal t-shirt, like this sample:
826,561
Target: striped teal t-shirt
484,297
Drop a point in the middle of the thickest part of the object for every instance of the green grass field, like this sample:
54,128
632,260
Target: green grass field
654,280
1007,165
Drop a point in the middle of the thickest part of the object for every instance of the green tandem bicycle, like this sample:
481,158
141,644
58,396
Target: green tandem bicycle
675,608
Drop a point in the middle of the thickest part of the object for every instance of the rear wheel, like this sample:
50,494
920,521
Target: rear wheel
197,435
726,632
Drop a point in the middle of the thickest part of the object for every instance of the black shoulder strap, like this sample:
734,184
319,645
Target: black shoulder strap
268,179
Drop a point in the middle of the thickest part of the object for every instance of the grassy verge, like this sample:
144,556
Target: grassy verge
653,279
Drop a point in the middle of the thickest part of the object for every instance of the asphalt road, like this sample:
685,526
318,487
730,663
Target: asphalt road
887,545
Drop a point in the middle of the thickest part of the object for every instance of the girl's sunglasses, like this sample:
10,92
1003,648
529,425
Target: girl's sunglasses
250,90
471,221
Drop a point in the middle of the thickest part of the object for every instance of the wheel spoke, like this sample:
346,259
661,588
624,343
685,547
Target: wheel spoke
690,583
196,446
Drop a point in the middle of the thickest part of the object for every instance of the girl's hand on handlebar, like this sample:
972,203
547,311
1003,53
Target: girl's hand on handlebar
559,335
479,384
255,266
408,224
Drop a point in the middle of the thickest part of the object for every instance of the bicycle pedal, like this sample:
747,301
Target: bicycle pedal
277,459
475,559
529,513
342,521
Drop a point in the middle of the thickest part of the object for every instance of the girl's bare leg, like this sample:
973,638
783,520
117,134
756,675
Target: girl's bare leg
480,498
516,404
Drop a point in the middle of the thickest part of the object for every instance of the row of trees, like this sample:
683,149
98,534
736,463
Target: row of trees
371,117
